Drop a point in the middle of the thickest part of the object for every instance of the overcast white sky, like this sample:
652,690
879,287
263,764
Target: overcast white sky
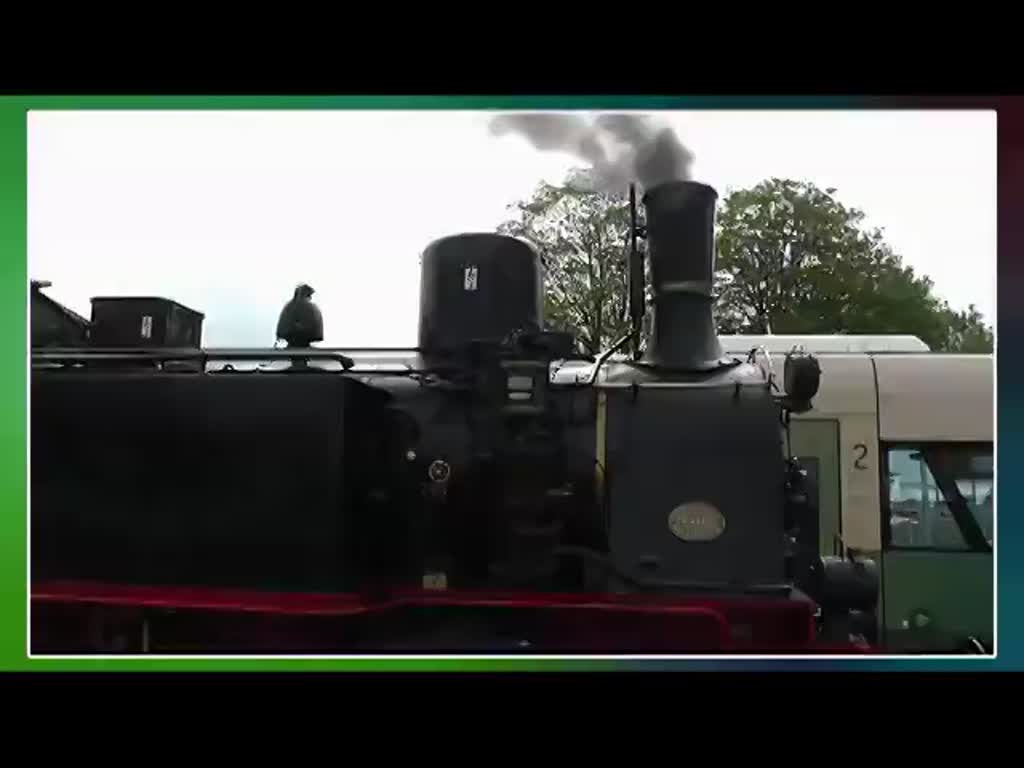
227,211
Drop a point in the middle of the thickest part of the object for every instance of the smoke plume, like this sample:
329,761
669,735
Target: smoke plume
619,148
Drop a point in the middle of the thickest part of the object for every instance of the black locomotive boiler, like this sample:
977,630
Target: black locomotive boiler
483,492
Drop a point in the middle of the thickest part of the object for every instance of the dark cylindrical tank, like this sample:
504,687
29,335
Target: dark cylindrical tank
681,244
477,287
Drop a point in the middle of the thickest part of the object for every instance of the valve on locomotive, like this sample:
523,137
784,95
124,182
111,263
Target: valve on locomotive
300,322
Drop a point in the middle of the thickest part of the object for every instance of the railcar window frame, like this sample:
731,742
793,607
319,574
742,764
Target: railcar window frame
971,544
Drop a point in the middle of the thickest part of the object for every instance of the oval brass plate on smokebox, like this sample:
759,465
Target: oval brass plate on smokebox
696,521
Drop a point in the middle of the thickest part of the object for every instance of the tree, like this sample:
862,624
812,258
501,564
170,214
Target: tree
792,259
967,332
579,236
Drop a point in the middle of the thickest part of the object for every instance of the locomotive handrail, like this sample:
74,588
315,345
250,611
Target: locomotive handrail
59,355
205,355
214,352
768,371
650,385
603,357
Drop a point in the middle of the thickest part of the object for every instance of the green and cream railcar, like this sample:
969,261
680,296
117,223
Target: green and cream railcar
901,443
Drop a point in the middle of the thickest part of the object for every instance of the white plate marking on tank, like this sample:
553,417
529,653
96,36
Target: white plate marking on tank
696,521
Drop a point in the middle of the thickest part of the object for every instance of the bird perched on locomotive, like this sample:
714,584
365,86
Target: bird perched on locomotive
483,470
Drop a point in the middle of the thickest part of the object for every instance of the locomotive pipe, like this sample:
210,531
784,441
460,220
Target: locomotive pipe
681,243
636,276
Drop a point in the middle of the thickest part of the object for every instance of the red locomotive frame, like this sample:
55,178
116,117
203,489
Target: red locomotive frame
76,617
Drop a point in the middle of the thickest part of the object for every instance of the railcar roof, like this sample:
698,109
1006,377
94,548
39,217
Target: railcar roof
823,344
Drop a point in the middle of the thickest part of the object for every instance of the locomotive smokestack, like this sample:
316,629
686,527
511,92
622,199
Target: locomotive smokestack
681,245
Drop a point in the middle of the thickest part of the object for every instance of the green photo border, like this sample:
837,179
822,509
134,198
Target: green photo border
14,338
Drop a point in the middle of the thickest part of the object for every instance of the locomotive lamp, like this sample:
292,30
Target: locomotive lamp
801,377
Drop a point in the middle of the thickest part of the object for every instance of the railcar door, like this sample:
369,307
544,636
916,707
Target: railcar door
816,442
937,562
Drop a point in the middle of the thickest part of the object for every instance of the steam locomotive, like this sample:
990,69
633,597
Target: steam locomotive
488,493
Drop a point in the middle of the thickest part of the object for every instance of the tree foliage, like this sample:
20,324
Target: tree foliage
792,259
579,236
968,332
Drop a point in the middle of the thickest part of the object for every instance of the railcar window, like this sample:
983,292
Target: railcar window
924,483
